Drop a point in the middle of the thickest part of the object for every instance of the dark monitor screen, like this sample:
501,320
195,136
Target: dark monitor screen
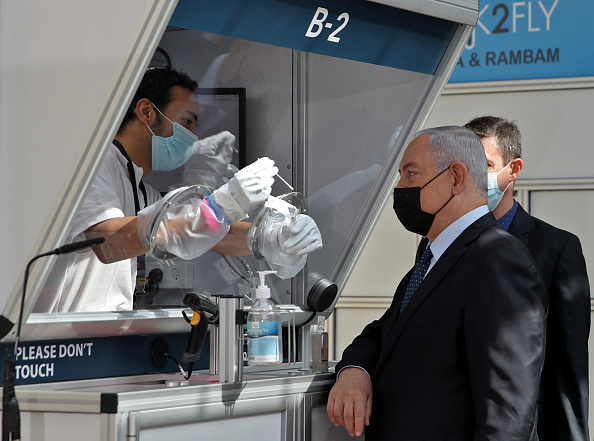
220,109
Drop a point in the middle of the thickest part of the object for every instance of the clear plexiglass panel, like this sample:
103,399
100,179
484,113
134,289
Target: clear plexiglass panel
332,126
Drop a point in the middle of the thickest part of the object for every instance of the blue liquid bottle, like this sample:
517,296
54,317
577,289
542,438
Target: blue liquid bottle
264,327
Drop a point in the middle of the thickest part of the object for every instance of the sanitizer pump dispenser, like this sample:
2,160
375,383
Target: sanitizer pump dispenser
264,330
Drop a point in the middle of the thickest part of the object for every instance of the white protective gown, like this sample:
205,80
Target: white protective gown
79,281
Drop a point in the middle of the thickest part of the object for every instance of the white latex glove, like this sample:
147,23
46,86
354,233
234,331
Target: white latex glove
211,162
285,242
247,191
301,238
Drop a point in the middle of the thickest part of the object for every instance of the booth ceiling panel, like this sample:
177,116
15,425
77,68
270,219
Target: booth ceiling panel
460,11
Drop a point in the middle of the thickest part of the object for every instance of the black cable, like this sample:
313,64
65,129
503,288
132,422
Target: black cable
235,270
11,420
20,320
185,374
11,424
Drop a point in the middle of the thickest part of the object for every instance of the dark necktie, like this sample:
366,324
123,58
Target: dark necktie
417,276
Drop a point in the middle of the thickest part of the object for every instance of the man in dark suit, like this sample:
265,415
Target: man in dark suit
563,401
459,358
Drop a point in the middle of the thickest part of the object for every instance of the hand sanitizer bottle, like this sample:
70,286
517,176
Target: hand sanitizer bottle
264,328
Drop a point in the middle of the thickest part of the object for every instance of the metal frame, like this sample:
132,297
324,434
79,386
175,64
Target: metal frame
519,85
148,419
145,402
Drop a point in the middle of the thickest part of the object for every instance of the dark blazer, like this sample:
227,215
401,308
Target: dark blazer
463,360
563,403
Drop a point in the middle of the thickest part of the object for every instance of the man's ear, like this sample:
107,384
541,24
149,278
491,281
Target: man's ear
459,174
145,111
516,167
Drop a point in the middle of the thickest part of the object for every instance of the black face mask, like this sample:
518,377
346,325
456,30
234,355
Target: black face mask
407,205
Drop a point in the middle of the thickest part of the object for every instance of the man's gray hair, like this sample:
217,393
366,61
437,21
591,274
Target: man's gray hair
451,144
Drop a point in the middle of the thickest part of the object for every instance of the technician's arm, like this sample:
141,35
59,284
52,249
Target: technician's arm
234,244
122,241
190,229
195,227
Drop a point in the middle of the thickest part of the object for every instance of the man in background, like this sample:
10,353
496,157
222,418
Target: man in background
563,400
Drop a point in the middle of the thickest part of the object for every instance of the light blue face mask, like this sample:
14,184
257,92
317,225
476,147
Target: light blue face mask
494,195
174,151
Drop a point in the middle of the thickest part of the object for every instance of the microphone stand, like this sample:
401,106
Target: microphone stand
11,420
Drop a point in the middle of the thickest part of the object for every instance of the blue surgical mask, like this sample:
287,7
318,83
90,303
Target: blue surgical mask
494,194
174,151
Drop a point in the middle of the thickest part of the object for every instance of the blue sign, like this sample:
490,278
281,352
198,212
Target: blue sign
65,360
518,40
352,29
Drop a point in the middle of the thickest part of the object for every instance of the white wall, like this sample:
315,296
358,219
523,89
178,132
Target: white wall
557,125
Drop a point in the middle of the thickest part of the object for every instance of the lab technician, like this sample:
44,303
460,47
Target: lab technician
157,134
458,354
563,402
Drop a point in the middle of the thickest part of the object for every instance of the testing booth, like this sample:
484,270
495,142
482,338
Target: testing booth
332,91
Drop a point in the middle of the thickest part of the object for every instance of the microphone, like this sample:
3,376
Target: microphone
11,425
64,249
75,246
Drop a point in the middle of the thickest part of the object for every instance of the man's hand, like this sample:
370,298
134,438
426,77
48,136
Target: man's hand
349,403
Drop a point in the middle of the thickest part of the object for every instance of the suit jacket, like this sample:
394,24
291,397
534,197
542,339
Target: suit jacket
563,403
463,360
